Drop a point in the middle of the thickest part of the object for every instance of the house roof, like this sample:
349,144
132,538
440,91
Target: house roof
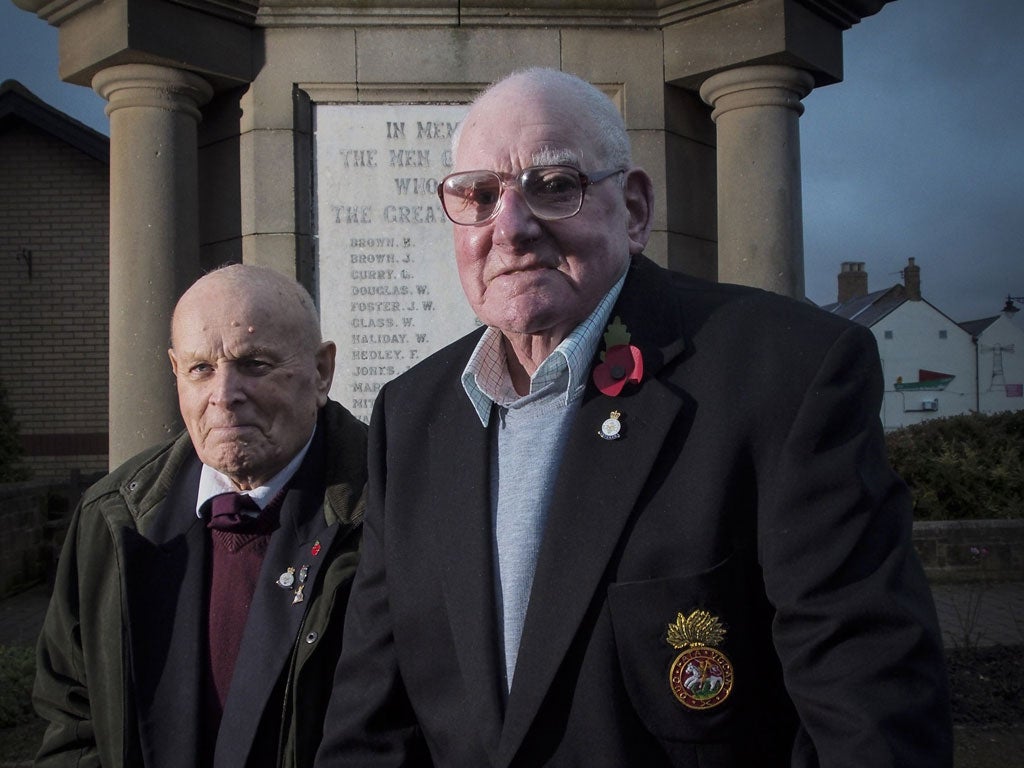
870,308
975,327
18,103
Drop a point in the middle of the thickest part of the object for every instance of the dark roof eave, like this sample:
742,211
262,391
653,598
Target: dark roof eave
19,103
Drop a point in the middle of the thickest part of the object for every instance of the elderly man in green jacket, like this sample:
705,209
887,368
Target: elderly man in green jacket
198,607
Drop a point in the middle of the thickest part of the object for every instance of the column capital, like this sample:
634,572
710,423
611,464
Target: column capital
766,85
154,86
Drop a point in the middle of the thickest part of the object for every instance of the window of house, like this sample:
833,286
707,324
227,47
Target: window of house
888,334
942,334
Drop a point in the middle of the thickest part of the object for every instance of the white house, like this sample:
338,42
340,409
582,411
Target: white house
933,366
999,354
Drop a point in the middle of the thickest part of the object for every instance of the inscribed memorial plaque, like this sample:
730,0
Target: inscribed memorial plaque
389,291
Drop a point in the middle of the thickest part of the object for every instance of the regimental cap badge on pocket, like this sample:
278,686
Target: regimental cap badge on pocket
701,677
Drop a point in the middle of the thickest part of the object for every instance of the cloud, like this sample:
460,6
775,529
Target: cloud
917,155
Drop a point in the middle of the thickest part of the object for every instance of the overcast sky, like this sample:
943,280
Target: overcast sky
919,152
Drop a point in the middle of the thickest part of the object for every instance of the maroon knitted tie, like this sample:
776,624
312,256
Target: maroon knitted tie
239,543
230,511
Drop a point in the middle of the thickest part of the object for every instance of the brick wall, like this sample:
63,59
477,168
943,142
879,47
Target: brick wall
54,202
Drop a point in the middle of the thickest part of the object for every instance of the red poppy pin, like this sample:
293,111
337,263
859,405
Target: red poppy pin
622,362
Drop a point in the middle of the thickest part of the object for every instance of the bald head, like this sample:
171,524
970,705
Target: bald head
256,286
250,369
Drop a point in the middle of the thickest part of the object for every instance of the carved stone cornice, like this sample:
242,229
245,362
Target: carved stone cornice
654,13
219,40
846,13
212,38
472,13
804,34
54,12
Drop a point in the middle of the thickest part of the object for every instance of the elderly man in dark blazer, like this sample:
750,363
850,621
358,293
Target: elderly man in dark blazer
197,612
638,519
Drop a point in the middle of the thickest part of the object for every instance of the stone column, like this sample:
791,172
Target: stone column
760,221
154,240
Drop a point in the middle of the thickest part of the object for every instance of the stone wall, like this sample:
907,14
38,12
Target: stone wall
33,517
971,550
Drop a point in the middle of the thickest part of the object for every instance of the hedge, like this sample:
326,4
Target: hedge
11,468
17,671
963,467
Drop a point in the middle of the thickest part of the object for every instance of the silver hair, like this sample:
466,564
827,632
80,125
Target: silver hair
597,112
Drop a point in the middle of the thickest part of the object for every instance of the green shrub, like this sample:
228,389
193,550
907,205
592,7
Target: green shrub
17,671
11,469
963,467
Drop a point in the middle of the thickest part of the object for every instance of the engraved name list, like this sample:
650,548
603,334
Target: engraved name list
389,291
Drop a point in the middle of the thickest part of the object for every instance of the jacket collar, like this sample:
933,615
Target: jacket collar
146,489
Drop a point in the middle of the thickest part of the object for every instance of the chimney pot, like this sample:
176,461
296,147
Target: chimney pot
853,281
912,280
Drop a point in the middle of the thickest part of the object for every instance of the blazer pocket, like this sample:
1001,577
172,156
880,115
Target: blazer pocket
712,683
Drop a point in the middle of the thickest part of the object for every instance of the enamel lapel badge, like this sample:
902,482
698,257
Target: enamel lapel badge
701,677
612,427
288,579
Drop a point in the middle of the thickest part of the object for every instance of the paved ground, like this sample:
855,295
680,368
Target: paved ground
980,614
970,614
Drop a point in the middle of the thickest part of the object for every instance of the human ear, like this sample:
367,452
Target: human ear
638,192
325,355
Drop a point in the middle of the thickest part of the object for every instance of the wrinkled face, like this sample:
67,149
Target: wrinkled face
522,274
250,379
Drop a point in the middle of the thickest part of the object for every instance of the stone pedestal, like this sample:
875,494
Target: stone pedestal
154,241
760,222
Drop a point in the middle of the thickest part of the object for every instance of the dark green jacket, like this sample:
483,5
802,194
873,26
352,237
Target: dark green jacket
121,654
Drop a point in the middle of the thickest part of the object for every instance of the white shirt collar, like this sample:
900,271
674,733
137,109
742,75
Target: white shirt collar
213,483
486,379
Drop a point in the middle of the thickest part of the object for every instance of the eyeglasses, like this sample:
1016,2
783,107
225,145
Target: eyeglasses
551,192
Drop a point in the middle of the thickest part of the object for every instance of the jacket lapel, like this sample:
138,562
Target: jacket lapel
275,618
465,551
164,594
597,490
